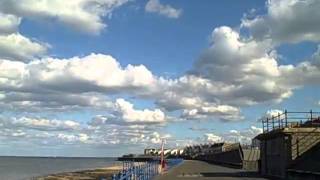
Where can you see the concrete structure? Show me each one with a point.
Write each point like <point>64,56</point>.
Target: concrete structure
<point>284,145</point>
<point>224,153</point>
<point>280,148</point>
<point>251,159</point>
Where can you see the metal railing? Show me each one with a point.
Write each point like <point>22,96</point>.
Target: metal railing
<point>290,119</point>
<point>143,170</point>
<point>137,170</point>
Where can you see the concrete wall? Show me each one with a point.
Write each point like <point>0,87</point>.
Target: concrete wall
<point>307,166</point>
<point>302,142</point>
<point>286,149</point>
<point>233,158</point>
<point>274,156</point>
<point>251,159</point>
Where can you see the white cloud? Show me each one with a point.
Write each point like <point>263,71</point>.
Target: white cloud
<point>19,48</point>
<point>58,102</point>
<point>155,6</point>
<point>75,81</point>
<point>82,15</point>
<point>287,21</point>
<point>73,138</point>
<point>129,114</point>
<point>212,138</point>
<point>271,113</point>
<point>95,72</point>
<point>245,71</point>
<point>243,136</point>
<point>124,114</point>
<point>48,132</point>
<point>40,124</point>
<point>9,23</point>
<point>223,112</point>
<point>13,45</point>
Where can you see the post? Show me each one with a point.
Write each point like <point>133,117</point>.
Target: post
<point>286,117</point>
<point>297,142</point>
<point>279,120</point>
<point>267,124</point>
<point>272,122</point>
<point>311,117</point>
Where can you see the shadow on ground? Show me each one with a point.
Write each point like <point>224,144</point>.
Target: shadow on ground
<point>231,174</point>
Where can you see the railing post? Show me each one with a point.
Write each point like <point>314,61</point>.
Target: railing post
<point>311,117</point>
<point>279,120</point>
<point>286,117</point>
<point>297,142</point>
<point>272,122</point>
<point>267,124</point>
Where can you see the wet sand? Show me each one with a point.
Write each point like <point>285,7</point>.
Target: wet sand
<point>190,169</point>
<point>95,174</point>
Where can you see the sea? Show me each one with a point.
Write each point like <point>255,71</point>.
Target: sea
<point>26,168</point>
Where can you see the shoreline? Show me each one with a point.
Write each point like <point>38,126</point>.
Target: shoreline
<point>94,173</point>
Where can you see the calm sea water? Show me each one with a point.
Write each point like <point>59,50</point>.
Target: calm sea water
<point>21,168</point>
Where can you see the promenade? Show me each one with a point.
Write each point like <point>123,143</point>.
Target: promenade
<point>191,169</point>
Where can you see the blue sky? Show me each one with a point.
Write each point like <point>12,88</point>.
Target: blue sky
<point>101,78</point>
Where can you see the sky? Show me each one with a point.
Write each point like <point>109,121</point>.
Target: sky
<point>109,77</point>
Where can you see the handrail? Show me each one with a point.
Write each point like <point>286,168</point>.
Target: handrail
<point>288,118</point>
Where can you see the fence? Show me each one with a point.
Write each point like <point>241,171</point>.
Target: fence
<point>142,170</point>
<point>290,119</point>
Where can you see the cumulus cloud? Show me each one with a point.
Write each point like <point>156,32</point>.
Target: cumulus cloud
<point>247,67</point>
<point>82,15</point>
<point>127,112</point>
<point>243,136</point>
<point>48,132</point>
<point>271,113</point>
<point>9,23</point>
<point>154,6</point>
<point>57,102</point>
<point>212,138</point>
<point>39,124</point>
<point>95,72</point>
<point>76,81</point>
<point>13,45</point>
<point>286,21</point>
<point>20,48</point>
<point>304,73</point>
<point>234,72</point>
<point>223,112</point>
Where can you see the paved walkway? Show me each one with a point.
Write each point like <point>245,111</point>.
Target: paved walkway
<point>202,170</point>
